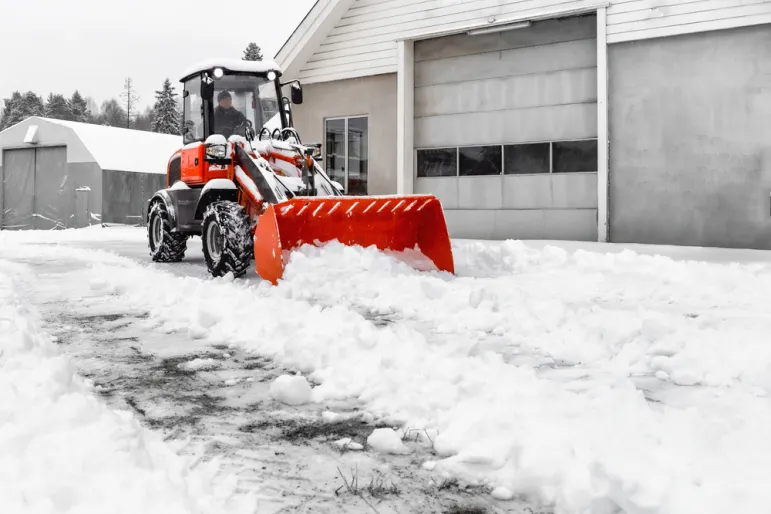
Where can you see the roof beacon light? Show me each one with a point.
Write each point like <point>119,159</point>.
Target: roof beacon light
<point>218,73</point>
<point>271,75</point>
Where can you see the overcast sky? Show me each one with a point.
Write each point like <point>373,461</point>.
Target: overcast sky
<point>92,45</point>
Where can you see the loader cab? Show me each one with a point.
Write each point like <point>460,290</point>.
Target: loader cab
<point>235,99</point>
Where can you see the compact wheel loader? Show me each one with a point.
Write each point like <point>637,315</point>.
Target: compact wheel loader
<point>260,195</point>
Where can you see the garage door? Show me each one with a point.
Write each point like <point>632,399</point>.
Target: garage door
<point>506,130</point>
<point>35,191</point>
<point>53,198</point>
<point>18,189</point>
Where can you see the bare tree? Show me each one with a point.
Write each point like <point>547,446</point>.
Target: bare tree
<point>130,100</point>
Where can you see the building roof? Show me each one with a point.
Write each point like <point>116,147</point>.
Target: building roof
<point>122,149</point>
<point>236,65</point>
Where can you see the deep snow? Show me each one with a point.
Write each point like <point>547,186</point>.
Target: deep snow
<point>594,379</point>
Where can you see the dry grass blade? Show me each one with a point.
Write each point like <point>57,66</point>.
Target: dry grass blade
<point>353,488</point>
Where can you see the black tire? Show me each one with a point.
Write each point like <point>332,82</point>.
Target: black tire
<point>165,245</point>
<point>227,241</point>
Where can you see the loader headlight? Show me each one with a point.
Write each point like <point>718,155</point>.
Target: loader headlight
<point>217,151</point>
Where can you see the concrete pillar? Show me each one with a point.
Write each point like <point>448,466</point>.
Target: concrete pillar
<point>405,117</point>
<point>603,230</point>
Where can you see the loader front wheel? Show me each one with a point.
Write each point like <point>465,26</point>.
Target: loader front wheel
<point>165,245</point>
<point>226,239</point>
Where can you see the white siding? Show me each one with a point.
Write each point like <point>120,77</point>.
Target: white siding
<point>642,19</point>
<point>363,41</point>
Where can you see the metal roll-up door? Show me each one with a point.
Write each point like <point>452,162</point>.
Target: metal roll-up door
<point>506,127</point>
<point>18,189</point>
<point>54,198</point>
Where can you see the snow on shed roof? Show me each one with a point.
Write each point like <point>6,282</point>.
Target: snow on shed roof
<point>120,149</point>
<point>237,65</point>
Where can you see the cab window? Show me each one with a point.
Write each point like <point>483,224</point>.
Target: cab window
<point>192,127</point>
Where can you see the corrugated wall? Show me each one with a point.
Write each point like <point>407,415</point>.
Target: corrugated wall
<point>125,195</point>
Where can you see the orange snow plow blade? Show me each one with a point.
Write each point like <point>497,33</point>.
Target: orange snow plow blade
<point>398,223</point>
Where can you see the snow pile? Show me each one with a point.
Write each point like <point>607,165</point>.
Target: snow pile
<point>595,382</point>
<point>62,450</point>
<point>347,443</point>
<point>291,390</point>
<point>387,440</point>
<point>198,364</point>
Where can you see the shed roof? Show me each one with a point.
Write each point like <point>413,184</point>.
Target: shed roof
<point>122,149</point>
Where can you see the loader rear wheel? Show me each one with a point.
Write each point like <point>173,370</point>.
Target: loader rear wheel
<point>226,239</point>
<point>165,245</point>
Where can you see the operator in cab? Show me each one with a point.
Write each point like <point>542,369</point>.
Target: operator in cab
<point>226,117</point>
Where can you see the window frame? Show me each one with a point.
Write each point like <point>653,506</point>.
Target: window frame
<point>503,146</point>
<point>346,137</point>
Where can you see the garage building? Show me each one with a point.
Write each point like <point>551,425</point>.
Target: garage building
<point>60,174</point>
<point>629,121</point>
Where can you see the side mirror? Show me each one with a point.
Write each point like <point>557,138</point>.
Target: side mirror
<point>297,93</point>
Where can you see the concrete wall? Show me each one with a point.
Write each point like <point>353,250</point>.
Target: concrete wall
<point>690,139</point>
<point>374,97</point>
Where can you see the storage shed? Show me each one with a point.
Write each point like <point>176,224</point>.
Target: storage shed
<point>58,174</point>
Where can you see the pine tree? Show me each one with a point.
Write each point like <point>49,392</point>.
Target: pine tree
<point>20,107</point>
<point>79,109</point>
<point>252,53</point>
<point>11,111</point>
<point>57,107</point>
<point>130,99</point>
<point>165,115</point>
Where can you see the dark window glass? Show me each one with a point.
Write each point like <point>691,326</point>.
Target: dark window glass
<point>480,160</point>
<point>357,156</point>
<point>192,126</point>
<point>335,151</point>
<point>575,156</point>
<point>438,162</point>
<point>524,159</point>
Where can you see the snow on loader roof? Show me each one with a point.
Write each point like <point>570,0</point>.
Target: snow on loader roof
<point>236,65</point>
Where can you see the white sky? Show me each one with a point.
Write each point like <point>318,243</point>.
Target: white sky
<point>92,45</point>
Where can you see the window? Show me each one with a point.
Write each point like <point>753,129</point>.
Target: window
<point>439,162</point>
<point>527,159</point>
<point>238,98</point>
<point>480,160</point>
<point>347,153</point>
<point>192,129</point>
<point>514,159</point>
<point>575,156</point>
<point>358,157</point>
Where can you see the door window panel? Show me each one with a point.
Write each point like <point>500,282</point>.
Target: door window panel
<point>575,156</point>
<point>347,153</point>
<point>357,156</point>
<point>438,162</point>
<point>335,151</point>
<point>527,159</point>
<point>480,160</point>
